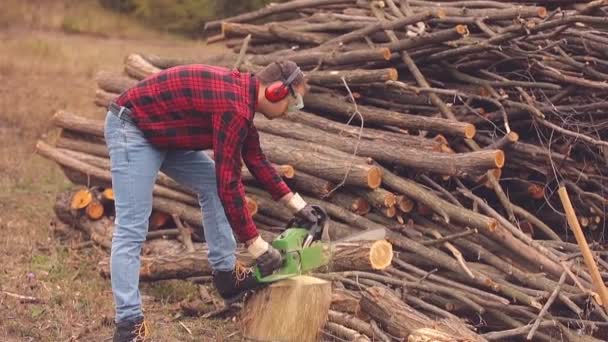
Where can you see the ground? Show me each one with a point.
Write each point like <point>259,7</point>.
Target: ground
<point>50,51</point>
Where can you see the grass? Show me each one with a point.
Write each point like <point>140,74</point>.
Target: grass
<point>51,51</point>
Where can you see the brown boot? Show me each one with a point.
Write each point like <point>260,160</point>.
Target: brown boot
<point>232,284</point>
<point>135,330</point>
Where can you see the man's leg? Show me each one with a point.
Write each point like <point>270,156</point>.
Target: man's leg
<point>134,165</point>
<point>194,169</point>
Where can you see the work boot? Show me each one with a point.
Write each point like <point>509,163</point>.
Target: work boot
<point>232,285</point>
<point>134,330</point>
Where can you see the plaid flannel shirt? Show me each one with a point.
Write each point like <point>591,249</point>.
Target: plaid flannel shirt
<point>198,107</point>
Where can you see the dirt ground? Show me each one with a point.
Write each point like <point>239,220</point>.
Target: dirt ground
<point>50,52</point>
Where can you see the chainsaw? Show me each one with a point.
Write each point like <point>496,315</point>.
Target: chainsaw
<point>305,246</point>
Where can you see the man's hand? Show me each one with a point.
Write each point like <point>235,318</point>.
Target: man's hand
<point>269,261</point>
<point>267,257</point>
<point>308,213</point>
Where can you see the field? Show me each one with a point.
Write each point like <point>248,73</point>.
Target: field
<point>50,52</point>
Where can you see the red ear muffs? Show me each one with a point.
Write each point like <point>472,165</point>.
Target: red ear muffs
<point>277,91</point>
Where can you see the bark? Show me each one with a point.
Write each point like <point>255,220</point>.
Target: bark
<point>442,163</point>
<point>139,68</point>
<point>270,10</point>
<point>334,78</point>
<point>354,131</point>
<point>162,62</point>
<point>280,150</point>
<point>334,58</point>
<point>114,83</point>
<point>78,123</point>
<point>432,38</point>
<point>104,98</point>
<point>310,185</point>
<point>401,320</point>
<point>356,204</point>
<point>326,103</point>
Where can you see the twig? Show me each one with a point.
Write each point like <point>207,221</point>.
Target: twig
<point>450,237</point>
<point>355,150</point>
<point>185,233</point>
<point>242,52</point>
<point>23,299</point>
<point>185,327</point>
<point>547,305</point>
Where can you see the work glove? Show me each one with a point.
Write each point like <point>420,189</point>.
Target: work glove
<point>266,257</point>
<point>308,213</point>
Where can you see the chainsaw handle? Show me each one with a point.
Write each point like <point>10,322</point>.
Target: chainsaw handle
<point>315,228</point>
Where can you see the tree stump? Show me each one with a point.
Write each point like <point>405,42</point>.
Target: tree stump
<point>294,309</point>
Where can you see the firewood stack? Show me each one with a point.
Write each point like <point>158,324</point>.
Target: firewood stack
<point>452,124</point>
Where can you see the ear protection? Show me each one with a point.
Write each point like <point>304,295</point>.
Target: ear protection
<point>277,91</point>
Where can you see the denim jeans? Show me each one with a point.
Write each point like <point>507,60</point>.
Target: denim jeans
<point>135,164</point>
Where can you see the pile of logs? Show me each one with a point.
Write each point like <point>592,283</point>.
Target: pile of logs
<point>452,124</point>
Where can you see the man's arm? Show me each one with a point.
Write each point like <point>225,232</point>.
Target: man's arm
<point>229,133</point>
<point>260,167</point>
<point>262,170</point>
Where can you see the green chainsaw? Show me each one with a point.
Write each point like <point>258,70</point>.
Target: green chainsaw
<point>304,246</point>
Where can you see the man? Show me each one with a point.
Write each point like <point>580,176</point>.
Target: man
<point>163,123</point>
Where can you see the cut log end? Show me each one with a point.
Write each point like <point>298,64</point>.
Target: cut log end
<point>405,204</point>
<point>94,210</point>
<point>360,206</point>
<point>469,131</point>
<point>386,53</point>
<point>390,200</point>
<point>393,74</point>
<point>287,171</point>
<point>499,159</point>
<point>108,194</point>
<point>381,255</point>
<point>390,212</point>
<point>374,177</point>
<point>441,13</point>
<point>512,136</point>
<point>463,30</point>
<point>295,309</point>
<point>542,12</point>
<point>81,199</point>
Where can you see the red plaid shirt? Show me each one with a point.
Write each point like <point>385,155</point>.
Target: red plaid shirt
<point>198,107</point>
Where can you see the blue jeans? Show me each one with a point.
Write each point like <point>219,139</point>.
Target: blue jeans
<point>135,164</point>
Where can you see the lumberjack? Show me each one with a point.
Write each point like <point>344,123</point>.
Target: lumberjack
<point>163,123</point>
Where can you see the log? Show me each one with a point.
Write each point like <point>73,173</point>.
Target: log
<point>104,98</point>
<point>401,320</point>
<point>294,309</point>
<point>307,58</point>
<point>442,163</point>
<point>272,9</point>
<point>331,104</point>
<point>281,150</point>
<point>139,68</point>
<point>67,120</point>
<point>428,335</point>
<point>310,185</point>
<point>364,256</point>
<point>114,83</point>
<point>356,204</point>
<point>331,126</point>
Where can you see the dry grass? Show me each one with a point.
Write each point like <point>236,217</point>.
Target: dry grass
<point>44,68</point>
